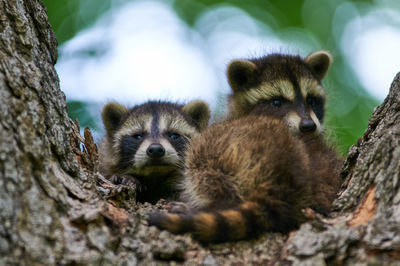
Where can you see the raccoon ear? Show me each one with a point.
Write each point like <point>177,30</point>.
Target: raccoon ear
<point>112,114</point>
<point>319,61</point>
<point>199,112</point>
<point>241,74</point>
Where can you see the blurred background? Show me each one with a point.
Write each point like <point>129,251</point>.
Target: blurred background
<point>132,51</point>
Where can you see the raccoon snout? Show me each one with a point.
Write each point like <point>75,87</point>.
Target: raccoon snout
<point>155,151</point>
<point>307,126</point>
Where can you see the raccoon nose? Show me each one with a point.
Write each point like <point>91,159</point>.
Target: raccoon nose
<point>155,151</point>
<point>307,126</point>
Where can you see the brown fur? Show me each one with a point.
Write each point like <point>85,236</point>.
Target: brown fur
<point>253,173</point>
<point>126,158</point>
<point>256,83</point>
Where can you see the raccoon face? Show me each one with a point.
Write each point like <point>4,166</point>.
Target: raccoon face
<point>150,139</point>
<point>282,86</point>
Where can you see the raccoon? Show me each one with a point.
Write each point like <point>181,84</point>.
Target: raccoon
<point>282,86</point>
<point>145,145</point>
<point>262,167</point>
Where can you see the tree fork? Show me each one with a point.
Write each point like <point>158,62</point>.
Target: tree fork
<point>55,208</point>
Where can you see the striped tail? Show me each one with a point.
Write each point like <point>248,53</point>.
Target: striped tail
<point>277,208</point>
<point>246,221</point>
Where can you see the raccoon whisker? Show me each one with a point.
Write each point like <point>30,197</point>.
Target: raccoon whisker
<point>135,138</point>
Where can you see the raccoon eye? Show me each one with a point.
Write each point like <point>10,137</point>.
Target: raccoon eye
<point>138,136</point>
<point>174,136</point>
<point>313,101</point>
<point>276,102</point>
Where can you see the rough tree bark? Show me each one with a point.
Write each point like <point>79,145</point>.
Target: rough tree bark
<point>366,227</point>
<point>55,209</point>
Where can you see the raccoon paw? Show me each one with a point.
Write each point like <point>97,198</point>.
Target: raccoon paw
<point>320,208</point>
<point>127,180</point>
<point>178,207</point>
<point>309,213</point>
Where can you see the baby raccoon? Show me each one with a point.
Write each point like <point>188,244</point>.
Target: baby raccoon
<point>282,86</point>
<point>262,167</point>
<point>146,144</point>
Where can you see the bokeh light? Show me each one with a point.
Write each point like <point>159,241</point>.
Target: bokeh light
<point>131,51</point>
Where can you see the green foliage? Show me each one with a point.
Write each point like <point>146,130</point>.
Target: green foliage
<point>69,17</point>
<point>319,22</point>
<point>84,112</point>
<point>350,106</point>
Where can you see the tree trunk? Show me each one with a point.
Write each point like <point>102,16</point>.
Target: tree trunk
<point>366,227</point>
<point>55,209</point>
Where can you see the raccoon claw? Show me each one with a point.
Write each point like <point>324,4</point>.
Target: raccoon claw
<point>127,180</point>
<point>120,180</point>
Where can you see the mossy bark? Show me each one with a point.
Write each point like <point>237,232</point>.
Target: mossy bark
<point>55,209</point>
